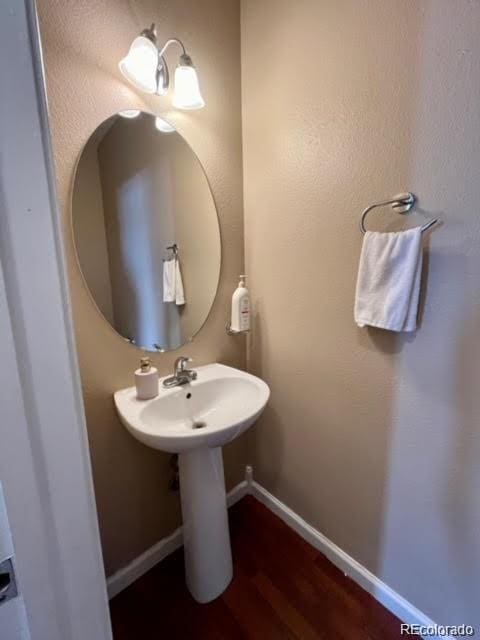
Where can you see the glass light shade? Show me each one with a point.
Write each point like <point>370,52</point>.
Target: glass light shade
<point>129,113</point>
<point>187,91</point>
<point>163,126</point>
<point>140,65</point>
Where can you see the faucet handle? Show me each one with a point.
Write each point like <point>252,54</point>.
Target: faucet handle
<point>181,362</point>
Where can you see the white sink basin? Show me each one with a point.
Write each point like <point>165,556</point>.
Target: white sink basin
<point>208,412</point>
<point>195,421</point>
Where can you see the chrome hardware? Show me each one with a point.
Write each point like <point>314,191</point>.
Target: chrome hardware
<point>174,249</point>
<point>180,363</point>
<point>402,203</point>
<point>181,375</point>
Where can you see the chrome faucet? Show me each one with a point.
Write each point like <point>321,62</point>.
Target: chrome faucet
<point>181,374</point>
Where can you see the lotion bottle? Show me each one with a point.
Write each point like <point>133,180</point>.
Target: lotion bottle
<point>240,307</point>
<point>146,380</point>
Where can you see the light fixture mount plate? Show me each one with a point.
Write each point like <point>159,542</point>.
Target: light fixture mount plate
<point>163,77</point>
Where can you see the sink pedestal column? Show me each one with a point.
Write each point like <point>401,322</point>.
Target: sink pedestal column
<point>208,556</point>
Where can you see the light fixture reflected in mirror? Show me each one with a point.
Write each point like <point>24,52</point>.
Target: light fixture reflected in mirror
<point>163,126</point>
<point>146,68</point>
<point>129,113</point>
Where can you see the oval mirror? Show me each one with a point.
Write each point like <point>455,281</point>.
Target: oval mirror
<point>146,231</point>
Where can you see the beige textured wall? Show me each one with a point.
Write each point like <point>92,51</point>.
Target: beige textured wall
<point>83,40</point>
<point>371,437</point>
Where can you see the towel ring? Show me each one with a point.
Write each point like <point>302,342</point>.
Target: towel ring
<point>402,203</point>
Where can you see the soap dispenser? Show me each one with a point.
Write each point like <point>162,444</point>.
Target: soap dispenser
<point>146,380</point>
<point>240,308</point>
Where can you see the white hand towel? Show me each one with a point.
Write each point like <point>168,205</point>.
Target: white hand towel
<point>169,269</point>
<point>172,282</point>
<point>179,295</point>
<point>388,283</point>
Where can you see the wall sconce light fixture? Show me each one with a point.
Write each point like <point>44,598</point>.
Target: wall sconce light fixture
<point>146,68</point>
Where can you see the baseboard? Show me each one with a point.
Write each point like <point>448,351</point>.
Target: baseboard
<point>389,598</point>
<point>237,493</point>
<point>125,576</point>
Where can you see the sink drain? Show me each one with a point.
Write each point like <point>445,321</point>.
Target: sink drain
<point>199,424</point>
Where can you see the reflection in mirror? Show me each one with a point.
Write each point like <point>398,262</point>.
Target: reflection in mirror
<point>146,231</point>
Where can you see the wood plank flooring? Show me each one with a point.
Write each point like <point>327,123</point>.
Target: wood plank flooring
<point>282,589</point>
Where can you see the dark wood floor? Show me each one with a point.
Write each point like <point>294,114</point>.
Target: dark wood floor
<point>282,588</point>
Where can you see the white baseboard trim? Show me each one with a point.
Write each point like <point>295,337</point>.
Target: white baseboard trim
<point>237,493</point>
<point>389,598</point>
<point>125,576</point>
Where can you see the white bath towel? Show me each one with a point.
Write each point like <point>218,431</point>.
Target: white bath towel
<point>172,282</point>
<point>388,283</point>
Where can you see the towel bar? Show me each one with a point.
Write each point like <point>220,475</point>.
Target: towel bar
<point>402,203</point>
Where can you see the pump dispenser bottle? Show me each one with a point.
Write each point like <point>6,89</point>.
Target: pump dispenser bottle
<point>146,380</point>
<point>240,308</point>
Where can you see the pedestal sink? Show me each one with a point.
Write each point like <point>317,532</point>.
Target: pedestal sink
<point>195,420</point>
